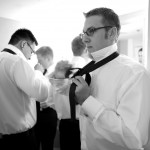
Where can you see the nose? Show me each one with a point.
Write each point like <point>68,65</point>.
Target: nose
<point>85,39</point>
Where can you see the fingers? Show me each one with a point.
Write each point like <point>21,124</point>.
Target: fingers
<point>78,80</point>
<point>39,67</point>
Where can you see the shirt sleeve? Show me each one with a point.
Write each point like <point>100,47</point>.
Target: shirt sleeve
<point>49,101</point>
<point>128,124</point>
<point>30,81</point>
<point>61,99</point>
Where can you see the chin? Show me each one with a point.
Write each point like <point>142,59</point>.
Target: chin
<point>90,50</point>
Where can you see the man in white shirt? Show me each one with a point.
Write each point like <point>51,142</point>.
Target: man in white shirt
<point>80,54</point>
<point>18,83</point>
<point>45,128</point>
<point>116,105</point>
<point>69,131</point>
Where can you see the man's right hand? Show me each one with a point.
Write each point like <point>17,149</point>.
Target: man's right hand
<point>82,91</point>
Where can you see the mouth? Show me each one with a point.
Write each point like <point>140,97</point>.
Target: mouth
<point>89,47</point>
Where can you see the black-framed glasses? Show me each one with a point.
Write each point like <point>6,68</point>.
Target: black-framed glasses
<point>31,48</point>
<point>90,31</point>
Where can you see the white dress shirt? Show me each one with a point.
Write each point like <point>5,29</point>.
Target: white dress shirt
<point>118,109</point>
<point>49,102</point>
<point>78,62</point>
<point>19,82</point>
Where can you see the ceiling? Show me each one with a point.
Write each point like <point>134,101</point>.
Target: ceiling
<point>130,11</point>
<point>10,7</point>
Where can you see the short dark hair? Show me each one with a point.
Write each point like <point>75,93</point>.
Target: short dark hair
<point>110,18</point>
<point>45,51</point>
<point>22,34</point>
<point>78,46</point>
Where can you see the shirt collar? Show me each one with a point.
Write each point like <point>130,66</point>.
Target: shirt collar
<point>102,53</point>
<point>16,50</point>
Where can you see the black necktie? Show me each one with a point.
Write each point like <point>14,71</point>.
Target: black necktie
<point>9,51</point>
<point>86,70</point>
<point>45,71</point>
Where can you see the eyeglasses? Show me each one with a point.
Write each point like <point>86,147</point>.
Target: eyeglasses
<point>31,48</point>
<point>90,31</point>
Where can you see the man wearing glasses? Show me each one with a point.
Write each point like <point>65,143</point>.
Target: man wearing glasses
<point>116,104</point>
<point>27,49</point>
<point>32,51</point>
<point>18,83</point>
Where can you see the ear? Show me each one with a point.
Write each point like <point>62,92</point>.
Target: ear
<point>22,43</point>
<point>50,58</point>
<point>112,33</point>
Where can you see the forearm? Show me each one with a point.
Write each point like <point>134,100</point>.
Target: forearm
<point>114,126</point>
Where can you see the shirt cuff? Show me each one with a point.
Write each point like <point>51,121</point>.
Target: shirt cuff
<point>92,107</point>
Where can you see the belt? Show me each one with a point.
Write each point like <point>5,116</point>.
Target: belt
<point>42,109</point>
<point>26,133</point>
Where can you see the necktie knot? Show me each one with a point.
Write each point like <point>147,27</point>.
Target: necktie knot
<point>45,71</point>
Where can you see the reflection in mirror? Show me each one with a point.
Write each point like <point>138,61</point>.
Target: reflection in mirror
<point>131,36</point>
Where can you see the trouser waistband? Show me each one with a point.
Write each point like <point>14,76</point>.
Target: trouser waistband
<point>25,133</point>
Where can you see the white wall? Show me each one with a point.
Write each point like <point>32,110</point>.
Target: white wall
<point>7,27</point>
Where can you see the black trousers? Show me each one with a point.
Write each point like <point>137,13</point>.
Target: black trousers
<point>45,128</point>
<point>69,134</point>
<point>19,141</point>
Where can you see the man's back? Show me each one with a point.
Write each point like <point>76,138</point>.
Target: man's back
<point>13,97</point>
